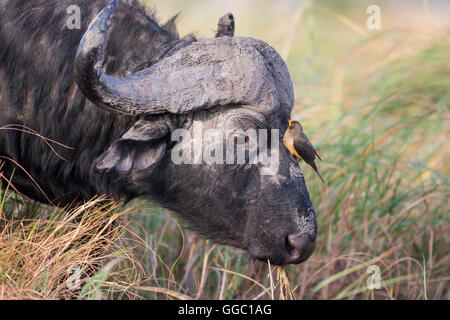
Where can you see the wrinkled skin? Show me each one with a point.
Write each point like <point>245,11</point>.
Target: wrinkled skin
<point>240,206</point>
<point>129,155</point>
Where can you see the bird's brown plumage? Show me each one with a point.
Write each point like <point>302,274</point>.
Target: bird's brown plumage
<point>300,146</point>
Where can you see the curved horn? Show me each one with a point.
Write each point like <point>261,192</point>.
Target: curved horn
<point>207,73</point>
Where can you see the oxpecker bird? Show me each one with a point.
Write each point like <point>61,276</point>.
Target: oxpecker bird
<point>300,146</point>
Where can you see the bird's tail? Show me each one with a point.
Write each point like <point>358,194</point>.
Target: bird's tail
<point>318,173</point>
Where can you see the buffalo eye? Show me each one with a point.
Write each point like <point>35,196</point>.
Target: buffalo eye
<point>237,139</point>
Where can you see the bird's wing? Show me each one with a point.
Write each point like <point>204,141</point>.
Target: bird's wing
<point>317,154</point>
<point>308,154</point>
<point>304,149</point>
<point>312,147</point>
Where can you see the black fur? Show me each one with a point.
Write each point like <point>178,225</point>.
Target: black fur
<point>38,91</point>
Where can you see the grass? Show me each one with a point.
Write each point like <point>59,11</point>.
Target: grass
<point>375,104</point>
<point>64,254</point>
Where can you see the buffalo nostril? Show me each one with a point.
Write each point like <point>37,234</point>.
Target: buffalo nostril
<point>301,247</point>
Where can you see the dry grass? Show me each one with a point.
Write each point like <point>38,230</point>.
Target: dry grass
<point>65,254</point>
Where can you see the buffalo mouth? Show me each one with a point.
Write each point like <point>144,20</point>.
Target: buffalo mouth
<point>297,249</point>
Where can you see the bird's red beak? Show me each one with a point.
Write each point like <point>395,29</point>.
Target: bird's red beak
<point>290,123</point>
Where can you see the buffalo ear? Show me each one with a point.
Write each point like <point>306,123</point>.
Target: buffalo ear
<point>142,146</point>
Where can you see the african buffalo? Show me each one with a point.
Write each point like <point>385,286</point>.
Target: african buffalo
<point>93,110</point>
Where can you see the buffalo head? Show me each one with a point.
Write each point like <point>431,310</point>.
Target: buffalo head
<point>217,91</point>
